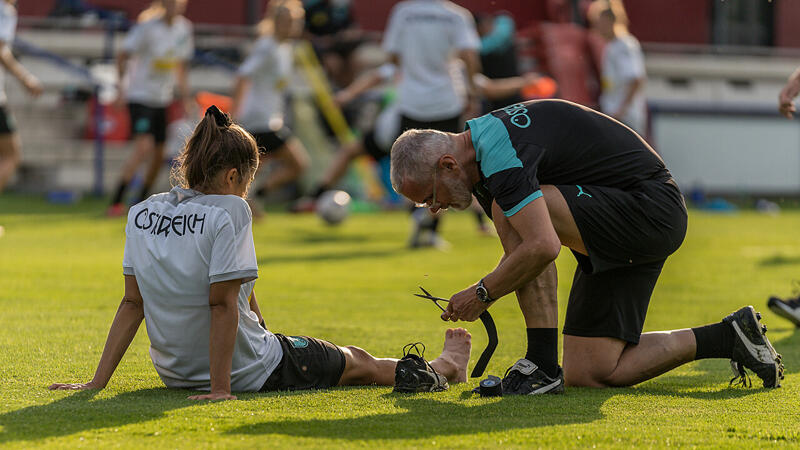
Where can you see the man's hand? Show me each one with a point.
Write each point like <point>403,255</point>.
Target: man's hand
<point>464,305</point>
<point>33,86</point>
<point>786,101</point>
<point>787,96</point>
<point>75,386</point>
<point>214,396</point>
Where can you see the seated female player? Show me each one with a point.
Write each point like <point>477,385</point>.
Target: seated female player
<point>190,266</point>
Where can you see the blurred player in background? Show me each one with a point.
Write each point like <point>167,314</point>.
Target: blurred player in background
<point>260,90</point>
<point>498,53</point>
<point>377,142</point>
<point>158,48</point>
<point>9,139</point>
<point>788,308</point>
<point>190,268</point>
<point>421,38</point>
<point>623,73</point>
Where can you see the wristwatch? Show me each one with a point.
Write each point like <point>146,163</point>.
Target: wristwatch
<point>483,294</point>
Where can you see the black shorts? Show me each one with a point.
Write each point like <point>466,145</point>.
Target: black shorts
<point>7,124</point>
<point>271,141</point>
<point>373,149</point>
<point>307,363</point>
<point>148,120</point>
<point>628,235</point>
<point>450,125</point>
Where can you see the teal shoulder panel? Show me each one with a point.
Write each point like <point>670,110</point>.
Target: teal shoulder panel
<point>493,149</point>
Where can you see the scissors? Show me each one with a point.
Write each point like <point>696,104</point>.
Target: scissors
<point>488,323</point>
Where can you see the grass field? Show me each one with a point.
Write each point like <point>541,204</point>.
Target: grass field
<point>61,282</point>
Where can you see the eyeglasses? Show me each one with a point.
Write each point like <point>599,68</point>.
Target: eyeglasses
<point>433,196</point>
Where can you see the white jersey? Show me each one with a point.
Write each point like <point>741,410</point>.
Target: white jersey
<point>269,68</point>
<point>178,243</point>
<point>623,63</point>
<point>425,34</point>
<point>157,48</point>
<point>8,25</point>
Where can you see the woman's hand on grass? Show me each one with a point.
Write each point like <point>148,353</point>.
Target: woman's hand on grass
<point>214,396</point>
<point>75,386</point>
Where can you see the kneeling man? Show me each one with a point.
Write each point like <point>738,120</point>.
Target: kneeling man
<point>552,173</point>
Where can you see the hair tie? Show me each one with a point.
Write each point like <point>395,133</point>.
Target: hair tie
<point>222,119</point>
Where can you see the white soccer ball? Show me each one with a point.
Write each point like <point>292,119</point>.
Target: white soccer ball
<point>333,206</point>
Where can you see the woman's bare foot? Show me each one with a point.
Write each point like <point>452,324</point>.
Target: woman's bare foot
<point>452,363</point>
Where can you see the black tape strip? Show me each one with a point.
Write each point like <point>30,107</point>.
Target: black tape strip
<point>491,331</point>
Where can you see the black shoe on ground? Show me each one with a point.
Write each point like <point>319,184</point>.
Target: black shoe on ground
<point>525,378</point>
<point>789,309</point>
<point>753,350</point>
<point>414,374</point>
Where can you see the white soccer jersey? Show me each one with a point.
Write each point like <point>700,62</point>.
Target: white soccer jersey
<point>425,34</point>
<point>623,62</point>
<point>8,25</point>
<point>178,243</point>
<point>269,68</point>
<point>157,49</point>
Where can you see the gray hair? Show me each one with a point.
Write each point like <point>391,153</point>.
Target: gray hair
<point>415,154</point>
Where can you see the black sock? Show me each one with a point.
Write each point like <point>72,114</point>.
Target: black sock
<point>714,341</point>
<point>117,198</point>
<point>543,349</point>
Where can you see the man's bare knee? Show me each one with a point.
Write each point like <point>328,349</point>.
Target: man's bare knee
<point>360,368</point>
<point>577,378</point>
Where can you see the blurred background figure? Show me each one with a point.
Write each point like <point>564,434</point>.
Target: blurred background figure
<point>422,37</point>
<point>788,94</point>
<point>498,53</point>
<point>623,73</point>
<point>259,100</point>
<point>158,48</point>
<point>9,139</point>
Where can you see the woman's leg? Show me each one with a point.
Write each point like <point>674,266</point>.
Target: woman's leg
<point>143,145</point>
<point>361,368</point>
<point>294,161</point>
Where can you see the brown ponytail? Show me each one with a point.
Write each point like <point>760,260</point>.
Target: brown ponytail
<point>216,145</point>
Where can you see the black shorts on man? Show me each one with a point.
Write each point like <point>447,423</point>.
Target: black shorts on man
<point>629,211</point>
<point>148,120</point>
<point>307,363</point>
<point>7,124</point>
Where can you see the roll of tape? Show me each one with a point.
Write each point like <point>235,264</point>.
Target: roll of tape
<point>491,387</point>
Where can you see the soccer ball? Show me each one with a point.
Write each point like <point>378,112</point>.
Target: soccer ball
<point>333,206</point>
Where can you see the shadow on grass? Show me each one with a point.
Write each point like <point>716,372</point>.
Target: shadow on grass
<point>418,416</point>
<point>328,235</point>
<point>779,260</point>
<point>426,417</point>
<point>79,412</point>
<point>329,256</point>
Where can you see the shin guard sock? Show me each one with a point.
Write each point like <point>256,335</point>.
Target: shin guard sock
<point>714,341</point>
<point>543,349</point>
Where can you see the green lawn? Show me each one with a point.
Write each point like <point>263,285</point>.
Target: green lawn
<point>61,281</point>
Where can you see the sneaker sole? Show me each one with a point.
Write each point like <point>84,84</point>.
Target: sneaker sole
<point>776,357</point>
<point>552,388</point>
<point>779,308</point>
